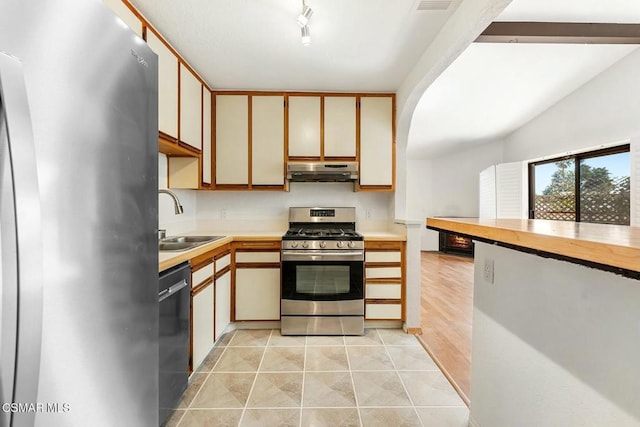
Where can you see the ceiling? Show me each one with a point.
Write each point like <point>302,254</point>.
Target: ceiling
<point>356,45</point>
<point>490,90</point>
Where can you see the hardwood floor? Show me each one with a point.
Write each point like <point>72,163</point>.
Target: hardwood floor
<point>446,309</point>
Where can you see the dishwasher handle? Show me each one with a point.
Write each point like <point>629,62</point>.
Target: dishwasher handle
<point>172,290</point>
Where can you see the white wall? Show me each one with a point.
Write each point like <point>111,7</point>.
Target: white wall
<point>605,110</point>
<point>256,210</point>
<point>419,184</point>
<point>455,180</point>
<point>167,219</point>
<point>449,185</point>
<point>468,20</point>
<point>554,344</point>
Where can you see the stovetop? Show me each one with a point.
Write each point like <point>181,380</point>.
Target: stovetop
<point>314,233</point>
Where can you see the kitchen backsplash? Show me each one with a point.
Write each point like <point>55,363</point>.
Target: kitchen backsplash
<point>267,210</point>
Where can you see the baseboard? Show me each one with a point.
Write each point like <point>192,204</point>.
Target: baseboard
<point>275,324</point>
<point>412,331</point>
<point>256,324</point>
<point>383,324</point>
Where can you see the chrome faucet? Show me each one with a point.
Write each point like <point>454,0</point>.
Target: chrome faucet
<point>176,201</point>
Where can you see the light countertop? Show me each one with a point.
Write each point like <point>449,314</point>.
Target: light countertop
<point>382,236</point>
<point>170,259</point>
<point>610,245</point>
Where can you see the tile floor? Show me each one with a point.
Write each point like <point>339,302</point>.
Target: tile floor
<point>260,378</point>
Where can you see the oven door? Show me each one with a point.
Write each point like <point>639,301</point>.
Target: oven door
<point>322,276</point>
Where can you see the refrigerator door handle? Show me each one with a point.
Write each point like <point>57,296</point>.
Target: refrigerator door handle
<point>21,233</point>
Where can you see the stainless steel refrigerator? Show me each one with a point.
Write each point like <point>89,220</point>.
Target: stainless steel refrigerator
<point>79,260</point>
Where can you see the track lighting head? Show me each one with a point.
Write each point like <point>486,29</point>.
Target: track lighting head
<point>306,36</point>
<point>305,15</point>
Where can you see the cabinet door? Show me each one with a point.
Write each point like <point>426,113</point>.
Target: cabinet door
<point>223,303</point>
<point>232,139</point>
<point>124,13</point>
<point>167,86</point>
<point>340,126</point>
<point>202,337</point>
<point>206,136</point>
<point>258,294</point>
<point>304,126</point>
<point>190,109</point>
<point>376,141</point>
<point>267,140</point>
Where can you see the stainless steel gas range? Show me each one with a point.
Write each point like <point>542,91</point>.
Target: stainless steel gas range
<point>322,273</point>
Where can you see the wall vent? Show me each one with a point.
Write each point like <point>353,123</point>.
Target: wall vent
<point>433,4</point>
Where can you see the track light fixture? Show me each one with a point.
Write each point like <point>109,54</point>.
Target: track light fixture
<point>306,37</point>
<point>303,21</point>
<point>305,15</point>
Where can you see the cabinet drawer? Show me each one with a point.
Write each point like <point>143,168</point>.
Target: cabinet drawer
<point>199,276</point>
<point>223,262</point>
<point>383,257</point>
<point>383,311</point>
<point>384,291</point>
<point>383,273</point>
<point>257,257</point>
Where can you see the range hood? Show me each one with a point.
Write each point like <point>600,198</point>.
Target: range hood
<point>334,171</point>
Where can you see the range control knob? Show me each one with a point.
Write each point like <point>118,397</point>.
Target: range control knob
<point>352,244</point>
<point>323,245</point>
<point>340,244</point>
<point>305,245</point>
<point>294,244</point>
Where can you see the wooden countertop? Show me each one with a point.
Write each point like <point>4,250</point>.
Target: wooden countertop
<point>609,245</point>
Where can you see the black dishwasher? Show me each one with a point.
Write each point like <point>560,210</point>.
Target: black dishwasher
<point>174,301</point>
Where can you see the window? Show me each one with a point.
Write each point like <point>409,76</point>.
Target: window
<point>587,187</point>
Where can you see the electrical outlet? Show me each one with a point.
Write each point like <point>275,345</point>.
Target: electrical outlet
<point>223,214</point>
<point>367,213</point>
<point>488,270</point>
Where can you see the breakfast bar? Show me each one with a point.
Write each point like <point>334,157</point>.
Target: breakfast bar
<point>603,246</point>
<point>556,317</point>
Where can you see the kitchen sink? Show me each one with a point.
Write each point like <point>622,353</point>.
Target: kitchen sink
<point>182,243</point>
<point>191,239</point>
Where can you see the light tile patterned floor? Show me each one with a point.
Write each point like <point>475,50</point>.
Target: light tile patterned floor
<point>260,378</point>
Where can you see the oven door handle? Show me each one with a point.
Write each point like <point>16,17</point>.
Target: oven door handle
<point>324,256</point>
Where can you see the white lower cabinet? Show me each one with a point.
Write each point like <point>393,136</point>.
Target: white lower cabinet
<point>384,280</point>
<point>258,294</point>
<point>384,311</point>
<point>202,319</point>
<point>223,303</point>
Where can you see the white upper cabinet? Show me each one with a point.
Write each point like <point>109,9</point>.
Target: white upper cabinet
<point>340,126</point>
<point>206,136</point>
<point>167,85</point>
<point>127,16</point>
<point>190,108</point>
<point>267,140</point>
<point>304,126</point>
<point>376,141</point>
<point>232,136</point>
